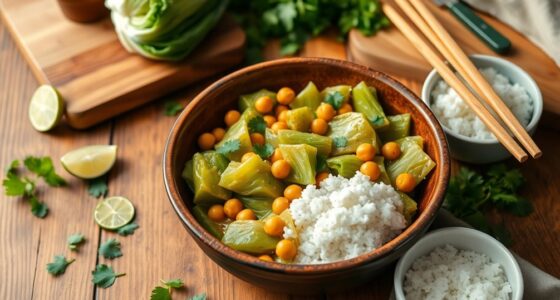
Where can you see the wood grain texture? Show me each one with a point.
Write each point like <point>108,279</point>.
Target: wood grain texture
<point>96,76</point>
<point>389,51</point>
<point>160,248</point>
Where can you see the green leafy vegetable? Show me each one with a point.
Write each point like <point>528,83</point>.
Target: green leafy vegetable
<point>127,229</point>
<point>110,249</point>
<point>59,265</point>
<point>470,194</point>
<point>38,208</point>
<point>340,141</point>
<point>164,293</point>
<point>257,124</point>
<point>97,187</point>
<point>335,98</point>
<point>264,151</point>
<point>173,283</point>
<point>229,147</point>
<point>172,108</point>
<point>43,167</point>
<point>104,276</point>
<point>75,240</point>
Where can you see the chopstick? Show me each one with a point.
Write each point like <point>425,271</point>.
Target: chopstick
<point>449,76</point>
<point>443,41</point>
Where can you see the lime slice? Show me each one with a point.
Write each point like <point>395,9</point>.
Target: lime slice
<point>45,108</point>
<point>113,212</point>
<point>90,161</point>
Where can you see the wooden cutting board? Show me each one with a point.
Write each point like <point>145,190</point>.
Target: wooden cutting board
<point>96,76</point>
<point>389,51</point>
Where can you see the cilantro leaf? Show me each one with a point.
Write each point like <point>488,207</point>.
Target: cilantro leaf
<point>264,151</point>
<point>127,229</point>
<point>174,283</point>
<point>38,208</point>
<point>43,167</point>
<point>257,124</point>
<point>199,297</point>
<point>335,98</point>
<point>104,276</point>
<point>229,147</point>
<point>321,164</point>
<point>75,240</point>
<point>172,108</point>
<point>97,187</point>
<point>340,141</point>
<point>14,186</point>
<point>59,265</point>
<point>110,249</point>
<point>160,293</point>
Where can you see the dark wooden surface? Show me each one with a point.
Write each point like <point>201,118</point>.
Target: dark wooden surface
<point>161,248</point>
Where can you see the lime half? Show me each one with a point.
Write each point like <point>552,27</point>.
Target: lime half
<point>90,161</point>
<point>113,212</point>
<point>45,108</point>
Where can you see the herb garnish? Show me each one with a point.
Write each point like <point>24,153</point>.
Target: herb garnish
<point>172,108</point>
<point>164,292</point>
<point>335,98</point>
<point>264,151</point>
<point>127,229</point>
<point>229,147</point>
<point>44,168</point>
<point>104,276</point>
<point>340,141</point>
<point>110,249</point>
<point>257,124</point>
<point>75,240</point>
<point>59,265</point>
<point>97,187</point>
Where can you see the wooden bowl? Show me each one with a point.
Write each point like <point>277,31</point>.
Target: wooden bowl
<point>206,111</point>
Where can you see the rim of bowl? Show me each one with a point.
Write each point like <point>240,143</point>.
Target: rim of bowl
<point>421,222</point>
<point>433,76</point>
<point>467,232</point>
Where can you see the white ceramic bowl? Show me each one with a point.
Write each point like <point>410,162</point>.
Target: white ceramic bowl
<point>477,151</point>
<point>466,239</point>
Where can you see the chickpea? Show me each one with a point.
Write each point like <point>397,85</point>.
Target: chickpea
<point>279,109</point>
<point>320,177</point>
<point>285,95</point>
<point>266,258</point>
<point>365,152</point>
<point>274,226</point>
<point>246,214</point>
<point>281,169</point>
<point>206,141</point>
<point>232,207</point>
<point>319,126</point>
<point>264,104</point>
<point>391,150</point>
<point>279,125</point>
<point>247,156</point>
<point>405,182</point>
<point>232,117</point>
<point>326,112</point>
<point>257,138</point>
<point>276,155</point>
<point>345,108</point>
<point>283,116</point>
<point>216,213</point>
<point>219,133</point>
<point>292,191</point>
<point>280,204</point>
<point>269,120</point>
<point>286,249</point>
<point>370,169</point>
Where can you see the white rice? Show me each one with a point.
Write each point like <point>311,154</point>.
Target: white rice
<point>457,116</point>
<point>344,218</point>
<point>449,273</point>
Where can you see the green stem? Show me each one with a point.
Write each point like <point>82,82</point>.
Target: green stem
<point>121,274</point>
<point>71,261</point>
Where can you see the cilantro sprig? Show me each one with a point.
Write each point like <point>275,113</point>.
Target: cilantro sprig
<point>264,151</point>
<point>164,292</point>
<point>127,229</point>
<point>75,240</point>
<point>110,249</point>
<point>340,141</point>
<point>58,265</point>
<point>229,147</point>
<point>470,194</point>
<point>104,276</point>
<point>257,124</point>
<point>335,98</point>
<point>97,187</point>
<point>172,108</point>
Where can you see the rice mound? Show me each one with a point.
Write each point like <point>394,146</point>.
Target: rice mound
<point>449,273</point>
<point>344,218</point>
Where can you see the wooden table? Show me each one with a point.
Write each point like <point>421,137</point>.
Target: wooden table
<point>161,248</point>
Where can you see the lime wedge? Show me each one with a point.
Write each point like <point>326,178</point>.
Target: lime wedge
<point>45,108</point>
<point>90,161</point>
<point>113,212</point>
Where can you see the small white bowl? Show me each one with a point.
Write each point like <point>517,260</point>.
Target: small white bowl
<point>477,151</point>
<point>465,239</point>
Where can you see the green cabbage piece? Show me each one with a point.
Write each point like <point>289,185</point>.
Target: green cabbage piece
<point>248,100</point>
<point>251,178</point>
<point>300,119</point>
<point>409,207</point>
<point>216,159</point>
<point>384,177</point>
<point>249,236</point>
<point>248,114</point>
<point>303,160</point>
<point>365,101</point>
<point>308,97</point>
<point>271,137</point>
<point>413,160</point>
<point>201,215</point>
<point>293,137</point>
<point>261,206</point>
<point>399,127</point>
<point>206,178</point>
<point>237,133</point>
<point>354,128</point>
<point>345,165</point>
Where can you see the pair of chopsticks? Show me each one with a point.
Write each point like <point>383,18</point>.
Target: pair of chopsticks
<point>442,40</point>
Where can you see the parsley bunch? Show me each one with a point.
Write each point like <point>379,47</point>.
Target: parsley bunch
<point>470,194</point>
<point>295,21</point>
<point>18,185</point>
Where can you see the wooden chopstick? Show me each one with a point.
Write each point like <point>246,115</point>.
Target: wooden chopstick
<point>449,76</point>
<point>443,41</point>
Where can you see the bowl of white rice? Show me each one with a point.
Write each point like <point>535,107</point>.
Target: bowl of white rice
<point>469,139</point>
<point>458,263</point>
